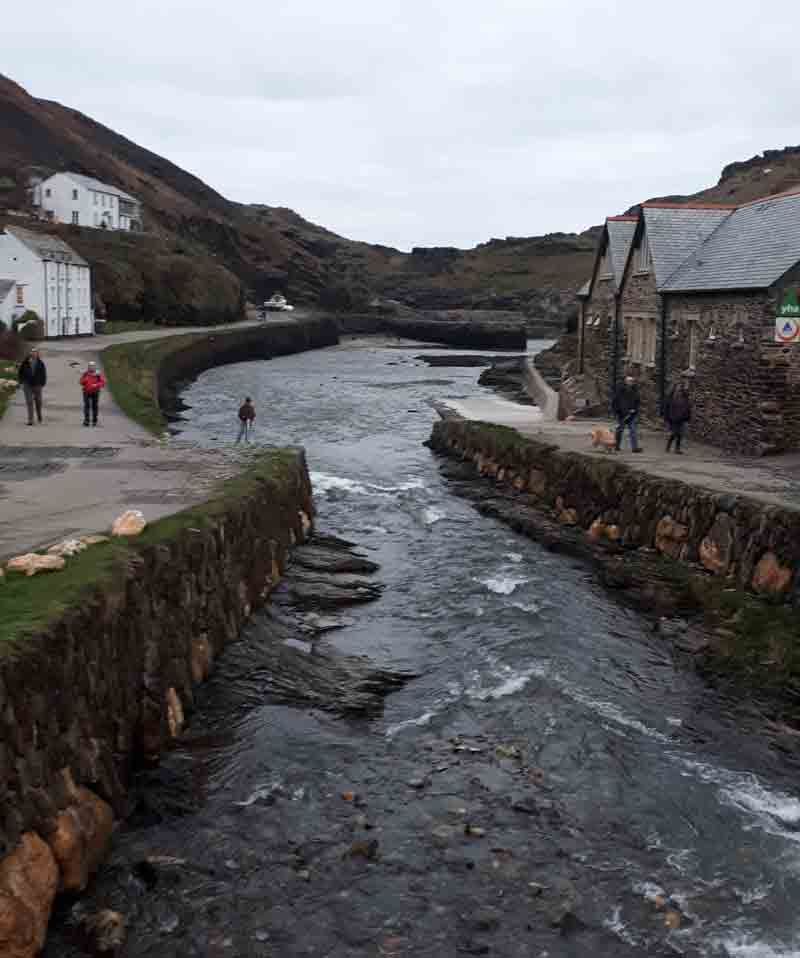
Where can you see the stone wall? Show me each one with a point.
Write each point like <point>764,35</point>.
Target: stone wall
<point>110,682</point>
<point>599,319</point>
<point>750,545</point>
<point>275,338</point>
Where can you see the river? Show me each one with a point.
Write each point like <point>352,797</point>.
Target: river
<point>551,782</point>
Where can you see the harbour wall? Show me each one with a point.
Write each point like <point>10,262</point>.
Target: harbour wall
<point>109,683</point>
<point>735,540</point>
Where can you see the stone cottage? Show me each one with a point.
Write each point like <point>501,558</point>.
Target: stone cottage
<point>709,292</point>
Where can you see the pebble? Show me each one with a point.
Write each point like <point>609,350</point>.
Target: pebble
<point>416,783</point>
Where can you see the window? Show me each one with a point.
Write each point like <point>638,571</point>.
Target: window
<point>605,267</point>
<point>96,217</point>
<point>75,217</point>
<point>48,192</point>
<point>74,194</point>
<point>643,255</point>
<point>641,340</point>
<point>20,295</point>
<point>96,199</point>
<point>103,200</point>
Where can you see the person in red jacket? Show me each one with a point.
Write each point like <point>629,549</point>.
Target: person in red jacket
<point>92,382</point>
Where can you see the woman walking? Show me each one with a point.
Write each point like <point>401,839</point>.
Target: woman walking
<point>677,412</point>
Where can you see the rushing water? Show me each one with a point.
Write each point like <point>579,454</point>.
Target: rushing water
<point>550,758</point>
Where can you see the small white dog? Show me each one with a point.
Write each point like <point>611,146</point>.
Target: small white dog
<point>603,439</point>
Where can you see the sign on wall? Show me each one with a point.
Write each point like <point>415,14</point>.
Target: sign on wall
<point>787,322</point>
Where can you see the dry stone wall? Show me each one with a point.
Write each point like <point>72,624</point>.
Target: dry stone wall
<point>110,683</point>
<point>752,545</point>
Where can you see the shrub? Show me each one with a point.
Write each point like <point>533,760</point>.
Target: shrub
<point>12,346</point>
<point>29,326</point>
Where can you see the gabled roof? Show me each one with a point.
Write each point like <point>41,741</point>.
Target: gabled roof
<point>6,285</point>
<point>92,184</point>
<point>45,246</point>
<point>674,232</point>
<point>751,249</point>
<point>620,236</point>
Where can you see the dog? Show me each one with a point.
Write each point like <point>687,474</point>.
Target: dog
<point>603,439</point>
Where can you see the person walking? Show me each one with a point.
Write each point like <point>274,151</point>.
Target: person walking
<point>677,413</point>
<point>32,377</point>
<point>92,381</point>
<point>247,418</point>
<point>625,407</point>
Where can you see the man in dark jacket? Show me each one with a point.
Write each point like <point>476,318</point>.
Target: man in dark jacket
<point>677,412</point>
<point>32,376</point>
<point>626,408</point>
<point>247,419</point>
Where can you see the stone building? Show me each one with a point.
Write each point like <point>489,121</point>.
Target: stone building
<point>708,292</point>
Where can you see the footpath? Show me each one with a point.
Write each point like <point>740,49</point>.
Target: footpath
<point>59,478</point>
<point>773,480</point>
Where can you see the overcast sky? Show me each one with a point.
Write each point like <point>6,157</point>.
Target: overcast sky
<point>427,122</point>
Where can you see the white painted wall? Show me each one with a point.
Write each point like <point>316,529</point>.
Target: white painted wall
<point>64,199</point>
<point>59,292</point>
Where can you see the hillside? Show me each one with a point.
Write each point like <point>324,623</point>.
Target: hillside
<point>194,234</point>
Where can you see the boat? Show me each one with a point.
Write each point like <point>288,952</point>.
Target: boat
<point>276,304</point>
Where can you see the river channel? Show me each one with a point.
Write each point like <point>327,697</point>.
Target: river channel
<point>549,781</point>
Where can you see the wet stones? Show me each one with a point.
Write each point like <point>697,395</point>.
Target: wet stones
<point>670,537</point>
<point>716,548</point>
<point>28,884</point>
<point>770,576</point>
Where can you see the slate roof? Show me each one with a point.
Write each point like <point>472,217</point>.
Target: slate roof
<point>6,285</point>
<point>750,249</point>
<point>620,235</point>
<point>92,184</point>
<point>674,232</point>
<point>45,246</point>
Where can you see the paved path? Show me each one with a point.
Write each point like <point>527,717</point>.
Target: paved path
<point>59,478</point>
<point>775,479</point>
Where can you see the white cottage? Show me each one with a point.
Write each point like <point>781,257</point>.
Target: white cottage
<point>41,273</point>
<point>84,201</point>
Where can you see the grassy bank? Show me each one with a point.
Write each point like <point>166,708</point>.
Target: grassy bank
<point>131,371</point>
<point>31,603</point>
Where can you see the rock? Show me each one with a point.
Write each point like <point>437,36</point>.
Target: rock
<point>28,883</point>
<point>487,919</point>
<point>670,537</point>
<point>31,563</point>
<point>568,516</point>
<point>175,717</point>
<point>770,577</point>
<point>92,540</point>
<point>104,931</point>
<point>201,658</point>
<point>68,547</point>
<point>364,848</point>
<point>596,530</point>
<point>130,523</point>
<point>716,549</point>
<point>80,837</point>
<point>417,782</point>
<point>321,559</point>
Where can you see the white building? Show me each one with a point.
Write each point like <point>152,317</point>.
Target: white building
<point>79,199</point>
<point>48,277</point>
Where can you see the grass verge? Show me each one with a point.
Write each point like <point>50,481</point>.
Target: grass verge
<point>120,326</point>
<point>30,604</point>
<point>130,370</point>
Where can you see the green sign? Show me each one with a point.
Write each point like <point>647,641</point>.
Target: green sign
<point>790,304</point>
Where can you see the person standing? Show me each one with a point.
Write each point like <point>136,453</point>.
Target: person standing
<point>32,376</point>
<point>677,412</point>
<point>247,418</point>
<point>92,382</point>
<point>625,407</point>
